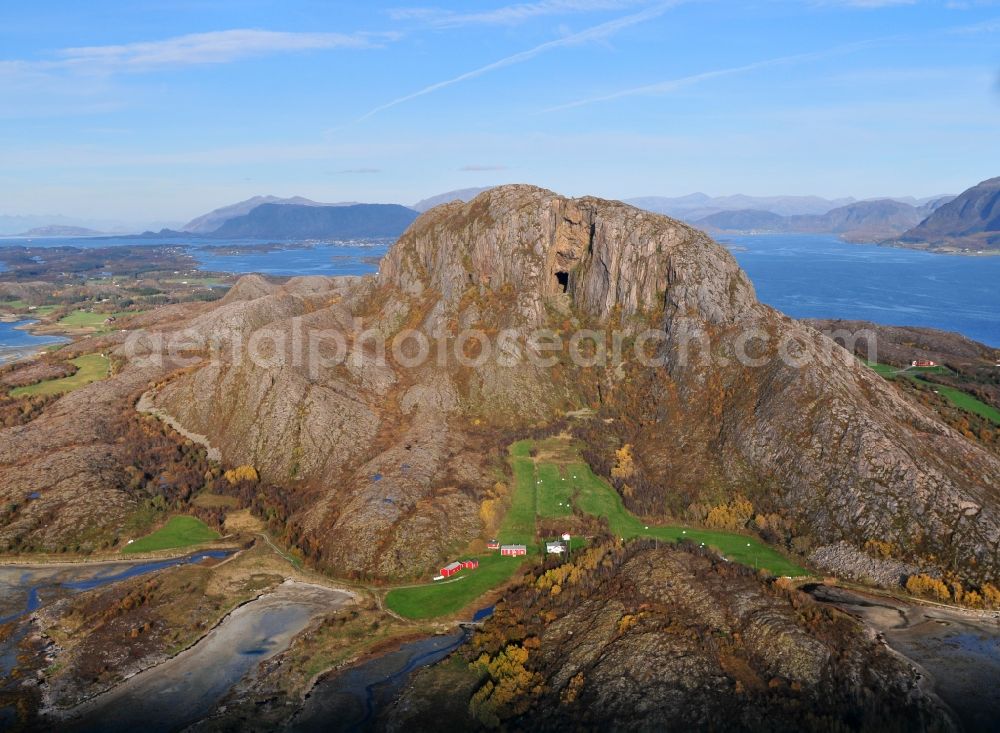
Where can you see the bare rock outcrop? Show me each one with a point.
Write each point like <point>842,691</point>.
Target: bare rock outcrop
<point>659,639</point>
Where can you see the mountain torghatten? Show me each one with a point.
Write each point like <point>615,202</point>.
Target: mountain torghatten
<point>384,467</point>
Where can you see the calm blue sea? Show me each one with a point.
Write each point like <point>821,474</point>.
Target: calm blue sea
<point>13,339</point>
<point>320,259</point>
<point>806,276</point>
<point>819,276</point>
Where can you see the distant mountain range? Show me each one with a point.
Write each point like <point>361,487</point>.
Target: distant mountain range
<point>60,230</point>
<point>208,223</point>
<point>699,205</point>
<point>462,194</point>
<point>862,221</point>
<point>317,221</point>
<point>971,221</point>
<point>16,225</point>
<point>271,217</point>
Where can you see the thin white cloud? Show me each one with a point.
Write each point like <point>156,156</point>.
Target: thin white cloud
<point>217,47</point>
<point>869,4</point>
<point>508,14</point>
<point>987,26</point>
<point>672,85</point>
<point>594,33</point>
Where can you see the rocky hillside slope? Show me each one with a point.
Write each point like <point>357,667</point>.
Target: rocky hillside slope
<point>386,462</point>
<point>646,638</point>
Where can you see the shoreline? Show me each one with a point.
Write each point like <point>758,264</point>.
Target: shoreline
<point>720,235</point>
<point>34,328</point>
<point>93,702</point>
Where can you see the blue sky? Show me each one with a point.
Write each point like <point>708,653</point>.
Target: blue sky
<point>163,109</point>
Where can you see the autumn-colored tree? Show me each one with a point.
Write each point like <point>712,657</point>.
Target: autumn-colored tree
<point>972,598</point>
<point>991,594</point>
<point>624,467</point>
<point>880,548</point>
<point>509,682</point>
<point>241,473</point>
<point>731,516</point>
<point>572,689</point>
<point>626,622</point>
<point>924,585</point>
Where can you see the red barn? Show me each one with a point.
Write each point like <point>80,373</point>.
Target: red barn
<point>470,564</point>
<point>450,569</point>
<point>923,363</point>
<point>495,544</point>
<point>513,550</point>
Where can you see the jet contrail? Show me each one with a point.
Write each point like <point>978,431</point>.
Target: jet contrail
<point>674,84</point>
<point>596,32</point>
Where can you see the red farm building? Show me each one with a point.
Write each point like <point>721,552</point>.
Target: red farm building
<point>513,550</point>
<point>923,363</point>
<point>470,564</point>
<point>450,569</point>
<point>493,545</point>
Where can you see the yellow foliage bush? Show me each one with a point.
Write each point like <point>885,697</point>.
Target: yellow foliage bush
<point>991,594</point>
<point>880,548</point>
<point>556,577</point>
<point>972,598</point>
<point>624,463</point>
<point>241,473</point>
<point>731,516</point>
<point>490,514</point>
<point>572,689</point>
<point>626,622</point>
<point>509,682</point>
<point>925,585</point>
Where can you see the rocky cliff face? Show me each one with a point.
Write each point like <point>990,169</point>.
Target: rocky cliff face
<point>390,456</point>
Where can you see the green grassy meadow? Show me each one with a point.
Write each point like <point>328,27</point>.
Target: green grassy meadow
<point>967,402</point>
<point>90,319</point>
<point>179,531</point>
<point>958,398</point>
<point>90,368</point>
<point>553,487</point>
<point>883,370</point>
<point>443,598</point>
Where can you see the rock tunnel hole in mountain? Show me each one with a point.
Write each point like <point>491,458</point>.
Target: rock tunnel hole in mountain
<point>562,281</point>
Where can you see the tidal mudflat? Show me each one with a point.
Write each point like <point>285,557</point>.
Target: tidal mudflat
<point>186,687</point>
<point>958,650</point>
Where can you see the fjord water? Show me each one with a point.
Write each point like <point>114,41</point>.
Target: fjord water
<point>819,276</point>
<point>318,259</point>
<point>803,275</point>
